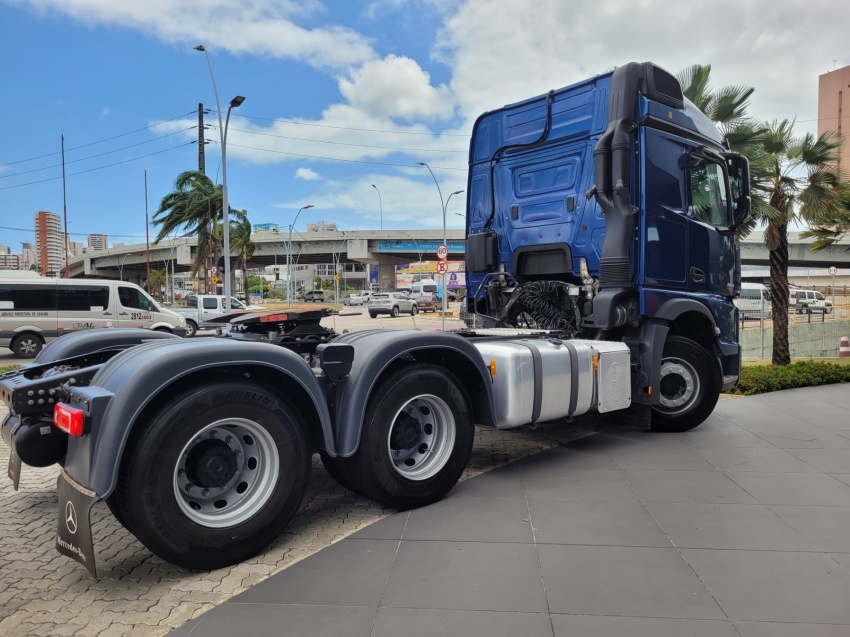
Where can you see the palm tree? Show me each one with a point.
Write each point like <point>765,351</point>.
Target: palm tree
<point>240,241</point>
<point>194,208</point>
<point>793,179</point>
<point>156,281</point>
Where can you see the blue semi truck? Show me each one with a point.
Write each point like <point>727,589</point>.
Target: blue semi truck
<point>601,266</point>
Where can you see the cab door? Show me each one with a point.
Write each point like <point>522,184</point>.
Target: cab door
<point>83,307</point>
<point>135,309</point>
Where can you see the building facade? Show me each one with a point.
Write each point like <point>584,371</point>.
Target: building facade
<point>98,242</point>
<point>50,243</point>
<point>833,92</point>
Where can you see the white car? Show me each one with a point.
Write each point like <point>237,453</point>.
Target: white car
<point>353,299</point>
<point>808,301</point>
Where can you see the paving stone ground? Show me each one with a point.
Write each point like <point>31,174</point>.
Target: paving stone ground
<point>136,593</point>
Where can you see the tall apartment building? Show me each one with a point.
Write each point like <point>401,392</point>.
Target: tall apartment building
<point>50,242</point>
<point>833,92</point>
<point>5,250</point>
<point>98,242</point>
<point>75,249</point>
<point>10,261</point>
<point>29,256</point>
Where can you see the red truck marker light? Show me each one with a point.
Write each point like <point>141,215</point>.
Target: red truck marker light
<point>272,318</point>
<point>69,419</point>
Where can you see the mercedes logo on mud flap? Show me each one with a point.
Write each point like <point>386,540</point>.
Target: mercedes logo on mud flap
<point>71,517</point>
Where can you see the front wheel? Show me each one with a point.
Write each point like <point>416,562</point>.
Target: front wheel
<point>191,329</point>
<point>690,386</point>
<point>414,310</point>
<point>394,312</point>
<point>416,439</point>
<point>215,476</point>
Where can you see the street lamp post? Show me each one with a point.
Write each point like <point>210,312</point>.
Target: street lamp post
<point>222,131</point>
<point>380,205</point>
<point>289,256</point>
<point>445,234</point>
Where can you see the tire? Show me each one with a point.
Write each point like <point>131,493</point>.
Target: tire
<point>394,312</point>
<point>27,345</point>
<point>164,459</point>
<point>688,403</point>
<point>191,329</point>
<point>435,397</point>
<point>414,310</point>
<point>337,472</point>
<point>373,315</point>
<point>827,310</point>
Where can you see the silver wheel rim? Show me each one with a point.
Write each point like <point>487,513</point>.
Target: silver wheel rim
<point>28,346</point>
<point>430,427</point>
<point>254,465</point>
<point>688,388</point>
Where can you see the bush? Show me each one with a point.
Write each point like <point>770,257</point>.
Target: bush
<point>759,379</point>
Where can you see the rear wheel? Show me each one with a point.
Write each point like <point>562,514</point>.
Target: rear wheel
<point>373,315</point>
<point>394,312</point>
<point>27,345</point>
<point>690,386</point>
<point>414,310</point>
<point>416,439</point>
<point>191,329</point>
<point>215,476</point>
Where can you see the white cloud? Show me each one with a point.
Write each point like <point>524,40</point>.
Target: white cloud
<point>307,174</point>
<point>239,26</point>
<point>396,86</point>
<point>414,202</point>
<point>105,111</point>
<point>500,51</point>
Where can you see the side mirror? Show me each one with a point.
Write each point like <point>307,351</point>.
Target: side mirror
<point>739,188</point>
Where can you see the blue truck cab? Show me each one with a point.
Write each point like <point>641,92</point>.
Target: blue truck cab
<point>609,207</point>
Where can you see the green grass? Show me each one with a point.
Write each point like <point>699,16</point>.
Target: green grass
<point>758,379</point>
<point>8,368</point>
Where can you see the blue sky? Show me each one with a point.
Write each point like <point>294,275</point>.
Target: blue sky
<point>421,70</point>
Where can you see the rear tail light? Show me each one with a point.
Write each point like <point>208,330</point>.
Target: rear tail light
<point>69,419</point>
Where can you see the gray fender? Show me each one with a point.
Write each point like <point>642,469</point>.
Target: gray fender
<point>89,341</point>
<point>674,308</point>
<point>374,351</point>
<point>127,383</point>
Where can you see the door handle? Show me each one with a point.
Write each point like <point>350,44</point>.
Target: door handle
<point>107,313</point>
<point>122,314</point>
<point>697,275</point>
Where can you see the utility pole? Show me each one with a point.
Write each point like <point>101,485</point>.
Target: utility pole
<point>64,206</point>
<point>201,141</point>
<point>147,235</point>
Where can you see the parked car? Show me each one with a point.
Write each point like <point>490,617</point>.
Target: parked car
<point>427,302</point>
<point>754,299</point>
<point>392,303</point>
<point>36,310</point>
<point>200,308</point>
<point>809,301</point>
<point>353,299</point>
<point>315,295</point>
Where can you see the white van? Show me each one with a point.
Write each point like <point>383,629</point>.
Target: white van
<point>808,301</point>
<point>753,299</point>
<point>34,311</point>
<point>424,287</point>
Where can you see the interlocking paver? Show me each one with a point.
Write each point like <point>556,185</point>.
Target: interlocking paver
<point>136,593</point>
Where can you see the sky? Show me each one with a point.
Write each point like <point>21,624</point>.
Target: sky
<point>340,95</point>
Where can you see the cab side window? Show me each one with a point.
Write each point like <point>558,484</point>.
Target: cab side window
<point>133,299</point>
<point>210,304</point>
<point>708,191</point>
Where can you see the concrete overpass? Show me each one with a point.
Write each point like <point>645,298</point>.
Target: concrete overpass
<point>385,248</point>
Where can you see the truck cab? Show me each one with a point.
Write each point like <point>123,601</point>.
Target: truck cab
<point>611,206</point>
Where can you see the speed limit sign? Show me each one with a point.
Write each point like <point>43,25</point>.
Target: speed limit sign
<point>833,270</point>
<point>442,252</point>
<point>442,267</point>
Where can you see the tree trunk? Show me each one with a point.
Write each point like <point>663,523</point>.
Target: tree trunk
<point>779,294</point>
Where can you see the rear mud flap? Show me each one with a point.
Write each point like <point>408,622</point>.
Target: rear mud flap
<point>73,535</point>
<point>14,470</point>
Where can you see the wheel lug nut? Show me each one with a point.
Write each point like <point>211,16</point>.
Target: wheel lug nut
<point>181,473</point>
<point>238,454</point>
<point>189,487</point>
<point>206,492</point>
<point>197,440</point>
<point>213,434</point>
<point>229,439</point>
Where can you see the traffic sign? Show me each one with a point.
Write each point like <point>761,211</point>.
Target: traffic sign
<point>442,251</point>
<point>214,270</point>
<point>336,277</point>
<point>833,270</point>
<point>214,279</point>
<point>442,267</point>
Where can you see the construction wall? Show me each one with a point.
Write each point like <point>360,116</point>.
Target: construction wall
<point>808,340</point>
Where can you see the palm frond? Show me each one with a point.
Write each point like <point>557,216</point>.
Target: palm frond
<point>694,81</point>
<point>730,103</point>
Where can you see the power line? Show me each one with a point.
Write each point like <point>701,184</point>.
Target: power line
<point>21,161</point>
<point>117,163</point>
<point>80,234</point>
<point>350,161</point>
<point>322,141</point>
<point>368,130</point>
<point>108,152</point>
